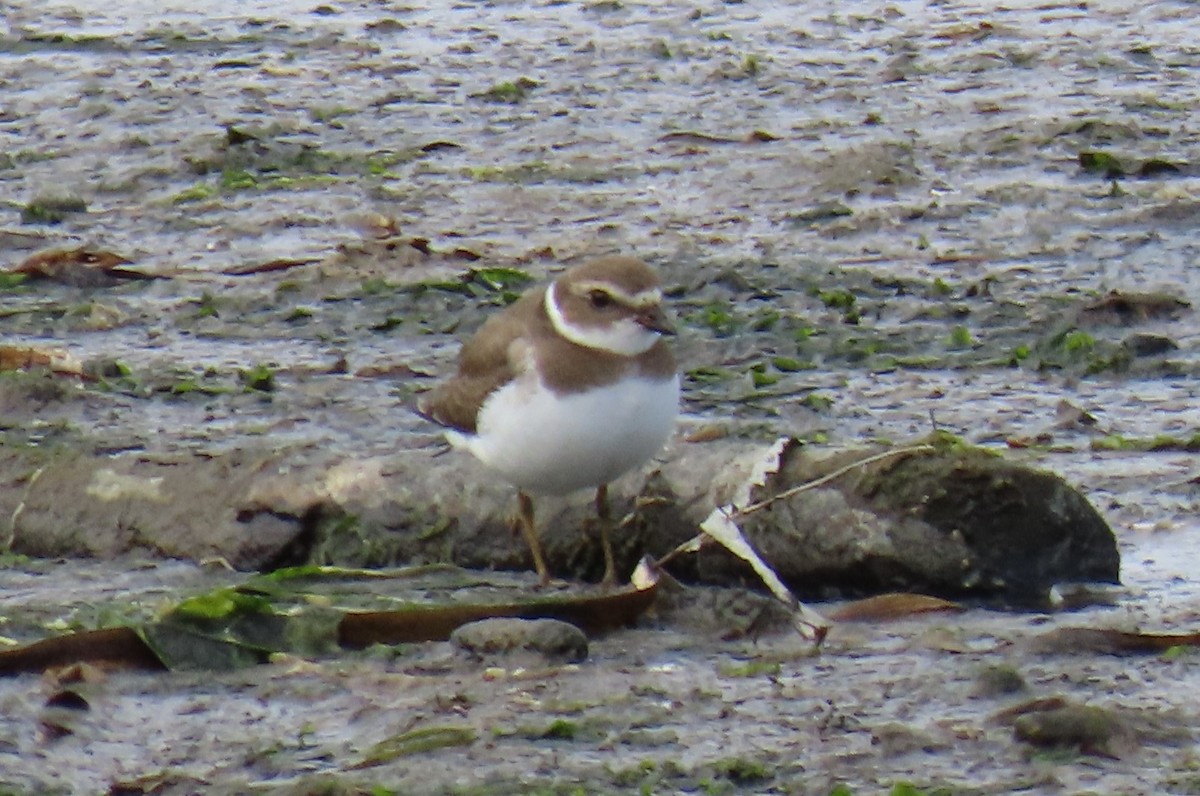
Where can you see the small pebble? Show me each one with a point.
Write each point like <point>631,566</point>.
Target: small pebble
<point>551,639</point>
<point>1092,730</point>
<point>999,680</point>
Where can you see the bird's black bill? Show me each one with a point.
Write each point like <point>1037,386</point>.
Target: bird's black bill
<point>656,321</point>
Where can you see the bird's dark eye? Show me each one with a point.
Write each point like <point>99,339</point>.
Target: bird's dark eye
<point>599,299</point>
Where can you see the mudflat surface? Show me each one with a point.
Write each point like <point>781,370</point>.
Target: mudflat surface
<point>874,220</point>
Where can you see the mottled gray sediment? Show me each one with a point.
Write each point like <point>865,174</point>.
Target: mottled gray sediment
<point>875,220</point>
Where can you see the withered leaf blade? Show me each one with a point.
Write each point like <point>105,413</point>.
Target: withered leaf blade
<point>319,611</point>
<point>82,267</point>
<point>416,742</point>
<point>591,613</point>
<point>116,646</point>
<point>438,146</point>
<point>281,264</point>
<point>897,605</point>
<point>696,137</point>
<point>1091,640</point>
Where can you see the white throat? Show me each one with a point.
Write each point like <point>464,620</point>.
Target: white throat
<point>626,337</point>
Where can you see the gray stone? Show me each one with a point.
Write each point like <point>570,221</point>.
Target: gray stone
<point>550,639</point>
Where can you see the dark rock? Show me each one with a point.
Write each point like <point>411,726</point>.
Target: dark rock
<point>1089,729</point>
<point>954,522</point>
<point>896,738</point>
<point>999,680</point>
<point>1142,344</point>
<point>1121,308</point>
<point>551,639</point>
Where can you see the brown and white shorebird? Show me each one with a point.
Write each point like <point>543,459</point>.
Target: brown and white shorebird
<point>567,388</point>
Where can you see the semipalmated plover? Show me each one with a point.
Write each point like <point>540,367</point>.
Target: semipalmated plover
<point>569,387</point>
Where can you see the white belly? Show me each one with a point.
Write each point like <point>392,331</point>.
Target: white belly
<point>551,444</point>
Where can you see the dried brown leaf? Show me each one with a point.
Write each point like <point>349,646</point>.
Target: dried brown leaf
<point>691,137</point>
<point>438,146</point>
<point>281,264</point>
<point>82,267</point>
<point>28,358</point>
<point>1109,640</point>
<point>117,646</point>
<point>710,432</point>
<point>885,607</point>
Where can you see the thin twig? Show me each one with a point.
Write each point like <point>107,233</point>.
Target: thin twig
<point>838,473</point>
<point>697,543</point>
<point>16,515</point>
<point>693,545</point>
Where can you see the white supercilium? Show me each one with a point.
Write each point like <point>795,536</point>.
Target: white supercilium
<point>627,337</point>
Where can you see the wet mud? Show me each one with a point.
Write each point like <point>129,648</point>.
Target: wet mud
<point>875,221</point>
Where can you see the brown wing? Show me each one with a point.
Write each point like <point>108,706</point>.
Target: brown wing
<point>487,361</point>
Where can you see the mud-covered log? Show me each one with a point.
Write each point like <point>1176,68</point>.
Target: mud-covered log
<point>954,521</point>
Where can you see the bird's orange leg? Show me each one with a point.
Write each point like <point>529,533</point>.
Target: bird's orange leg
<point>525,520</point>
<point>604,515</point>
